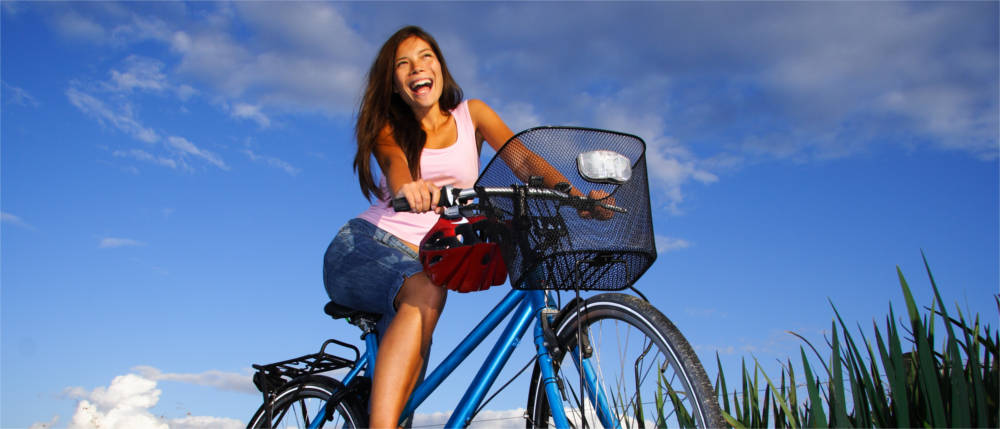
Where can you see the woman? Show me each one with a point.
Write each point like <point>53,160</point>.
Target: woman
<point>423,136</point>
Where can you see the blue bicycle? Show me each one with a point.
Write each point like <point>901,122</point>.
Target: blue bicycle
<point>611,360</point>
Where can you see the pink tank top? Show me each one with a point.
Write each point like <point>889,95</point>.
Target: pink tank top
<point>456,165</point>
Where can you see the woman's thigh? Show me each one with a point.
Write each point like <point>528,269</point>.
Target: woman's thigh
<point>365,267</point>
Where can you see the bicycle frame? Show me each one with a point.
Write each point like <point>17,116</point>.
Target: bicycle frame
<point>525,305</point>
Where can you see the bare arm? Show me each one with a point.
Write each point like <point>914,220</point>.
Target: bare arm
<point>422,196</point>
<point>522,161</point>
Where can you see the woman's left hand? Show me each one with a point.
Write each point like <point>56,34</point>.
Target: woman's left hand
<point>599,213</point>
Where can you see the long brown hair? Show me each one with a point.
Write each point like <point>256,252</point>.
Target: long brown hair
<point>381,107</point>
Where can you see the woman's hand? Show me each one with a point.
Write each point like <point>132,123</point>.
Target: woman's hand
<point>599,213</point>
<point>422,196</point>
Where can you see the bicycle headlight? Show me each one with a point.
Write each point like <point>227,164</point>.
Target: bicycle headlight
<point>604,166</point>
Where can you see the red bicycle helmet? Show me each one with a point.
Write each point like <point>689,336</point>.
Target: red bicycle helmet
<point>464,254</point>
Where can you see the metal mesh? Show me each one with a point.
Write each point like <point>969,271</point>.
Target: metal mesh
<point>559,249</point>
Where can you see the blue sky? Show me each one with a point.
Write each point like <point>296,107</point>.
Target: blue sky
<point>173,172</point>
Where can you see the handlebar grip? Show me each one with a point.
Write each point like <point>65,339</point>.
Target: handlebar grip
<point>400,204</point>
<point>447,199</point>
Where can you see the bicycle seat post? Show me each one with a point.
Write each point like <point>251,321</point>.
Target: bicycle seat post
<point>364,323</point>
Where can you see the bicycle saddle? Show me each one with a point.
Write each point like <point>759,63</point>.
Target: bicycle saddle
<point>338,311</point>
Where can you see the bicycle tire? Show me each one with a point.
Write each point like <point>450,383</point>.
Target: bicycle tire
<point>298,402</point>
<point>605,317</point>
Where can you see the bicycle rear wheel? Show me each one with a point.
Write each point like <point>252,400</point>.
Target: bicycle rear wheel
<point>301,402</point>
<point>645,369</point>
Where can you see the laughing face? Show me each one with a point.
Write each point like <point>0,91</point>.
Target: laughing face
<point>418,79</point>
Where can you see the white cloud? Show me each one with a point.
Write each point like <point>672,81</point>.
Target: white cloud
<point>14,220</point>
<point>113,242</point>
<point>251,112</point>
<point>142,155</point>
<point>839,67</point>
<point>122,119</point>
<point>204,422</point>
<point>666,244</point>
<point>143,74</point>
<point>518,116</point>
<point>273,162</point>
<point>309,28</point>
<point>305,56</point>
<point>140,73</point>
<point>217,379</point>
<point>183,147</point>
<point>126,404</point>
<point>45,425</point>
<point>75,26</point>
<point>486,419</point>
<point>18,96</point>
<point>722,350</point>
<point>140,28</point>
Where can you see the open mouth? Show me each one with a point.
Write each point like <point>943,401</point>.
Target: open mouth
<point>421,86</point>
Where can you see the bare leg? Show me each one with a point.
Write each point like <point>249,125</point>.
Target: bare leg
<point>404,347</point>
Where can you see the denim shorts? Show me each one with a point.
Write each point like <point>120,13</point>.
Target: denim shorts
<point>364,268</point>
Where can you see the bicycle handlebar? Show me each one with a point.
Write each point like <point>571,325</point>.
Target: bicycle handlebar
<point>451,197</point>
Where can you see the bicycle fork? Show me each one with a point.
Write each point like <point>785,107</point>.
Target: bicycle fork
<point>544,341</point>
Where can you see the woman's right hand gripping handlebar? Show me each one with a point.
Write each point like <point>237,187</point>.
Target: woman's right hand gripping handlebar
<point>420,195</point>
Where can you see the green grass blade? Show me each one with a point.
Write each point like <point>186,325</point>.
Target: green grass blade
<point>900,395</point>
<point>862,386</point>
<point>755,400</point>
<point>926,369</point>
<point>839,405</point>
<point>684,418</point>
<point>749,399</point>
<point>764,403</point>
<point>661,421</point>
<point>781,400</point>
<point>780,416</point>
<point>975,370</point>
<point>817,418</point>
<point>793,396</point>
<point>732,421</point>
<point>879,398</point>
<point>959,388</point>
<point>721,388</point>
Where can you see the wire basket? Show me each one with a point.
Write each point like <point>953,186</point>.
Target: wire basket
<point>555,247</point>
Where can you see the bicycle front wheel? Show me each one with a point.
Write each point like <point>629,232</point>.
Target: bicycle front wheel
<point>300,403</point>
<point>636,365</point>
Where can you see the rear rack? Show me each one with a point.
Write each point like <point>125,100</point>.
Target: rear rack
<point>269,378</point>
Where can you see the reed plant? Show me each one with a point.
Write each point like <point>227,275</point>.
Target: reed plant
<point>880,384</point>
